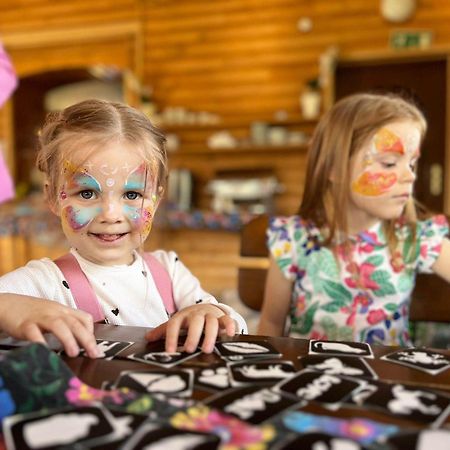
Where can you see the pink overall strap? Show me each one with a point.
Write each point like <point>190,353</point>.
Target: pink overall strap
<point>79,285</point>
<point>162,281</point>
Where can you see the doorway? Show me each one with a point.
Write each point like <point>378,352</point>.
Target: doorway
<point>424,81</point>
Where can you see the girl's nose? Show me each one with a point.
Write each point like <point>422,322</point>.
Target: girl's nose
<point>111,211</point>
<point>409,174</point>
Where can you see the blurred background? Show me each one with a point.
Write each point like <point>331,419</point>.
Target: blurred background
<point>237,85</point>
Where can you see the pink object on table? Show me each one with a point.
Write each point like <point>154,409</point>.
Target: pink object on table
<point>8,82</point>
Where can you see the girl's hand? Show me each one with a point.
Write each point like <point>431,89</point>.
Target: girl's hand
<point>25,317</point>
<point>206,318</point>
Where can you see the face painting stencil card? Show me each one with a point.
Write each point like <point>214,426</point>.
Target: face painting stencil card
<point>252,404</point>
<point>310,385</point>
<point>177,383</point>
<point>420,359</point>
<point>260,372</point>
<point>318,347</point>
<point>109,348</point>
<point>246,349</point>
<point>163,359</point>
<point>339,365</point>
<point>58,428</point>
<point>407,402</point>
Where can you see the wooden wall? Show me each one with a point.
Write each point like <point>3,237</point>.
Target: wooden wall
<point>241,59</point>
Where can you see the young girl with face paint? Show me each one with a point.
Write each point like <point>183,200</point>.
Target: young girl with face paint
<point>345,266</point>
<point>106,167</point>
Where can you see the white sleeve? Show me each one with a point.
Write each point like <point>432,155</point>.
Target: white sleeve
<point>187,290</point>
<point>39,278</point>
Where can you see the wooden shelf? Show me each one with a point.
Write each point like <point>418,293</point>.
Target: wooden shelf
<point>192,150</point>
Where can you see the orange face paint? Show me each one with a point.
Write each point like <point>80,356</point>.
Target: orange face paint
<point>386,141</point>
<point>373,184</point>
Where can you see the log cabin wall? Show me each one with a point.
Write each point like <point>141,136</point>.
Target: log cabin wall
<point>243,60</point>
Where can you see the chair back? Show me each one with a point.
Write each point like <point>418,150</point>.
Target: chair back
<point>430,301</point>
<point>253,262</point>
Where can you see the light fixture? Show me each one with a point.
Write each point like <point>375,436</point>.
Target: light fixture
<point>397,11</point>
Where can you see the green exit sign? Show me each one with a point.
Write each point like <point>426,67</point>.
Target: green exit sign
<point>410,39</point>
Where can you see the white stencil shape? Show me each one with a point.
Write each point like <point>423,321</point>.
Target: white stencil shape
<point>317,387</point>
<point>246,406</point>
<point>339,347</point>
<point>334,366</point>
<point>422,358</point>
<point>215,377</point>
<point>273,371</point>
<point>183,442</point>
<point>60,429</point>
<point>405,401</point>
<point>433,439</point>
<point>247,348</point>
<point>159,382</point>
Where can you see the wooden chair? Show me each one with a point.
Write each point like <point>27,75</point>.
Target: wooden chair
<point>430,298</point>
<point>253,262</point>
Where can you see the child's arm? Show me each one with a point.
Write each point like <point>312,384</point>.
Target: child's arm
<point>196,319</point>
<point>277,298</point>
<point>25,317</point>
<point>442,265</point>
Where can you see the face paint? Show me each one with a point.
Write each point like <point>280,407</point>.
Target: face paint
<point>385,141</point>
<point>77,218</point>
<point>373,184</point>
<point>136,179</point>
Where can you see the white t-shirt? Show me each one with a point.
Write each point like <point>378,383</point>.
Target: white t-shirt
<point>126,295</point>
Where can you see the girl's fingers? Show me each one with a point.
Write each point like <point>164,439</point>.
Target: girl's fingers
<point>172,333</point>
<point>86,339</point>
<point>211,332</point>
<point>63,333</point>
<point>194,333</point>
<point>228,324</point>
<point>31,332</point>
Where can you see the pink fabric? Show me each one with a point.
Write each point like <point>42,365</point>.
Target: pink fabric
<point>8,78</point>
<point>6,184</point>
<point>8,82</point>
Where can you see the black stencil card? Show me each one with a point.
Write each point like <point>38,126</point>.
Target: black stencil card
<point>317,347</point>
<point>421,359</point>
<point>428,439</point>
<point>310,385</point>
<point>251,404</point>
<point>317,441</point>
<point>349,366</point>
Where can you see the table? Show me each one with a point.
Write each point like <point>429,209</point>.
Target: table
<point>95,372</point>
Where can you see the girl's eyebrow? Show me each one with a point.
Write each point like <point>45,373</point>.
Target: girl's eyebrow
<point>83,180</point>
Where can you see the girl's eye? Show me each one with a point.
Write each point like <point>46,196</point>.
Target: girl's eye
<point>86,195</point>
<point>132,195</point>
<point>388,165</point>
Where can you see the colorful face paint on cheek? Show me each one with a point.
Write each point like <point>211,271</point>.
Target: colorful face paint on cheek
<point>142,219</point>
<point>373,184</point>
<point>77,218</point>
<point>386,141</point>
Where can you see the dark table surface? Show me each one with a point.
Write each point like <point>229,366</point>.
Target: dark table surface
<point>95,372</point>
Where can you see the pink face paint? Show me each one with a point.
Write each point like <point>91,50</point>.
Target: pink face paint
<point>78,218</point>
<point>373,184</point>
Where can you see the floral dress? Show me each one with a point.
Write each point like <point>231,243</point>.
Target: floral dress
<point>361,294</point>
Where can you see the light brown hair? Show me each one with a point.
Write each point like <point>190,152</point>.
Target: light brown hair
<point>97,122</point>
<point>341,132</point>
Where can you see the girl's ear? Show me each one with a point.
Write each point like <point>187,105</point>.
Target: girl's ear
<point>51,203</point>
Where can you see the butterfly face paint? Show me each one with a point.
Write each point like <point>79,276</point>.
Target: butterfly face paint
<point>385,143</point>
<point>382,174</point>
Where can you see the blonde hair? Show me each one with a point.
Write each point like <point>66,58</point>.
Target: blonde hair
<point>341,132</point>
<point>97,122</point>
